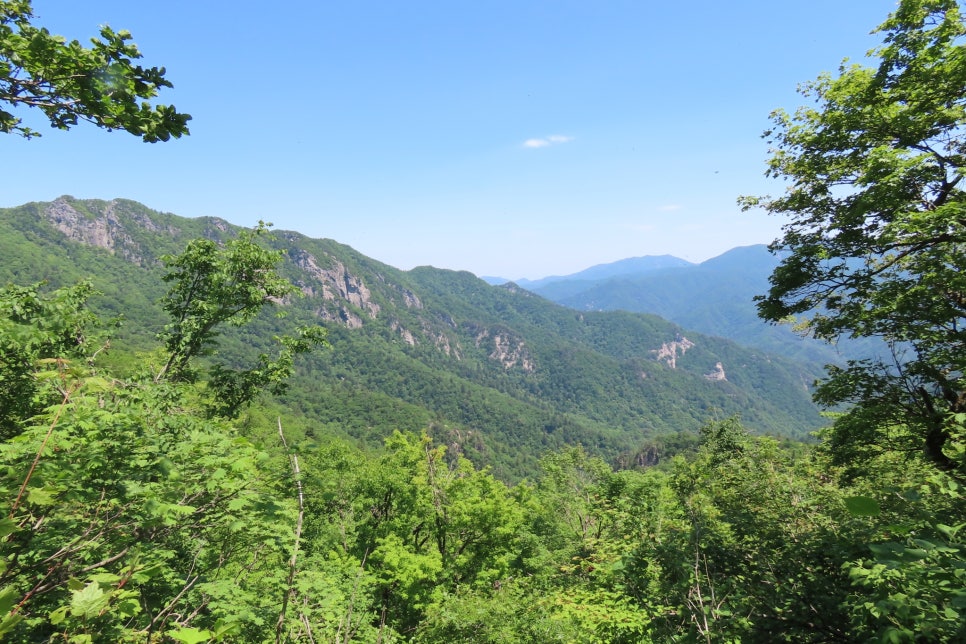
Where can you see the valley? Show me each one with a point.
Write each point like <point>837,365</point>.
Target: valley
<point>497,373</point>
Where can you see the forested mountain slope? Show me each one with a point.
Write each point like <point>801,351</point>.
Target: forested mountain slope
<point>632,266</point>
<point>497,373</point>
<point>715,297</point>
<point>153,494</point>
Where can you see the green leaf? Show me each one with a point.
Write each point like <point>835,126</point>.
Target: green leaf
<point>89,602</point>
<point>949,532</point>
<point>144,574</point>
<point>7,526</point>
<point>129,607</point>
<point>95,384</point>
<point>862,506</point>
<point>8,598</point>
<point>8,622</point>
<point>40,496</point>
<point>57,616</point>
<point>899,529</point>
<point>224,628</point>
<point>191,635</point>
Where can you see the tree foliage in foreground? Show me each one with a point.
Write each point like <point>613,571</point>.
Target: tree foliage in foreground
<point>213,287</point>
<point>101,84</point>
<point>34,327</point>
<point>132,511</point>
<point>876,238</point>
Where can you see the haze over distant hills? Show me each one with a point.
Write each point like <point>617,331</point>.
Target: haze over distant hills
<point>714,297</point>
<point>495,373</point>
<point>624,267</point>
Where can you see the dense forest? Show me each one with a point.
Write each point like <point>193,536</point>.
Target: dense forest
<point>499,375</point>
<point>715,297</point>
<point>151,502</point>
<point>163,487</point>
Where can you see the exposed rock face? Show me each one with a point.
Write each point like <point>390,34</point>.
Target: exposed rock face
<point>104,230</point>
<point>669,351</point>
<point>219,224</point>
<point>649,456</point>
<point>146,222</point>
<point>443,344</point>
<point>441,340</point>
<point>507,350</point>
<point>457,439</point>
<point>510,351</point>
<point>337,283</point>
<point>717,374</point>
<point>448,320</point>
<point>410,299</point>
<point>514,288</point>
<point>342,315</point>
<point>403,332</point>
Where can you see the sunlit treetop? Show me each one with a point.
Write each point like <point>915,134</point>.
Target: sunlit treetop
<point>875,243</point>
<point>69,82</point>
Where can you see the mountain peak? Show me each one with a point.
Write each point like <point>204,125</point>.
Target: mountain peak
<point>620,268</point>
<point>427,349</point>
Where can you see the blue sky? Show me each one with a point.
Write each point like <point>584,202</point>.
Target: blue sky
<point>507,138</point>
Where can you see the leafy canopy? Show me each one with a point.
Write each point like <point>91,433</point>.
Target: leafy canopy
<point>38,327</point>
<point>68,82</point>
<point>877,232</point>
<point>213,286</point>
<point>130,507</point>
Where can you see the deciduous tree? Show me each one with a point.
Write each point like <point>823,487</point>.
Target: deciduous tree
<point>876,241</point>
<point>125,513</point>
<point>101,84</point>
<point>39,326</point>
<point>215,285</point>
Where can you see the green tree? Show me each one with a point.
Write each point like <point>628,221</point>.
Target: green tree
<point>757,552</point>
<point>907,584</point>
<point>215,285</point>
<point>126,514</point>
<point>419,531</point>
<point>116,495</point>
<point>36,325</point>
<point>597,582</point>
<point>877,232</point>
<point>68,82</point>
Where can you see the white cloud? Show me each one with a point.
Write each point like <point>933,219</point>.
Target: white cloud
<point>553,139</point>
<point>671,207</point>
<point>536,143</point>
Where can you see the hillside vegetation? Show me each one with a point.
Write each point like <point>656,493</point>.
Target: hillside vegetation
<point>141,507</point>
<point>496,373</point>
<point>213,434</point>
<point>715,297</point>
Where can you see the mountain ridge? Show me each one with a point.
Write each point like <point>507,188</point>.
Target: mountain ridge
<point>497,373</point>
<point>621,267</point>
<point>715,297</point>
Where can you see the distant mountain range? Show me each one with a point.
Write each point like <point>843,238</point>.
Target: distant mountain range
<point>496,373</point>
<point>715,297</point>
<point>632,266</point>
